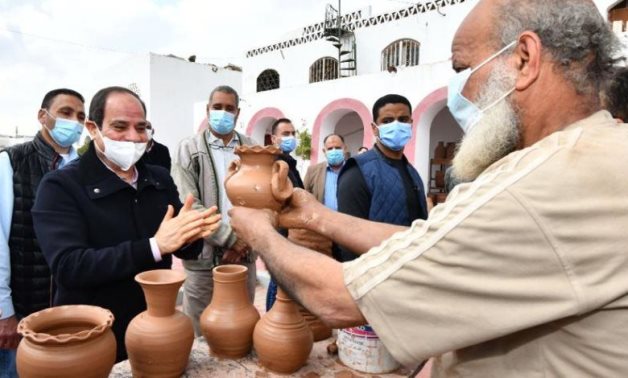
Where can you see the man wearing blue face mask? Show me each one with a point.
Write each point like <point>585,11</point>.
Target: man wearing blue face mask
<point>380,184</point>
<point>283,135</point>
<point>200,167</point>
<point>24,275</point>
<point>322,179</point>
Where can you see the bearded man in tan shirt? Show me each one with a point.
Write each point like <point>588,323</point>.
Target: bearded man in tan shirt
<point>523,271</point>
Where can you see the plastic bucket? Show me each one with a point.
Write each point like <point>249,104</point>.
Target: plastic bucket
<point>360,349</point>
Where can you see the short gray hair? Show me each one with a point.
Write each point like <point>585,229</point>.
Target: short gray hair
<point>573,31</point>
<point>225,89</point>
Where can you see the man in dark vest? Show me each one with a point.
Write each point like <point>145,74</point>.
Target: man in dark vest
<point>24,275</point>
<point>380,184</point>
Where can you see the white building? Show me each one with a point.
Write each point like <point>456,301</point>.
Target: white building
<point>296,77</point>
<point>175,90</point>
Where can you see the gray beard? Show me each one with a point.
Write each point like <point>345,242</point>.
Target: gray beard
<point>497,133</point>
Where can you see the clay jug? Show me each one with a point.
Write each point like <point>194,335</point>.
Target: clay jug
<point>439,179</point>
<point>65,342</point>
<point>440,152</point>
<point>282,339</point>
<point>450,150</point>
<point>228,322</point>
<point>159,340</point>
<point>323,245</point>
<point>258,179</point>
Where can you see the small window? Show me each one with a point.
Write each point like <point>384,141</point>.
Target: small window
<point>401,53</point>
<point>267,80</point>
<point>324,69</point>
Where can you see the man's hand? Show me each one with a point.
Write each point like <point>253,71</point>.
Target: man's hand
<point>236,253</point>
<point>251,224</point>
<point>9,338</point>
<point>302,212</point>
<point>188,226</point>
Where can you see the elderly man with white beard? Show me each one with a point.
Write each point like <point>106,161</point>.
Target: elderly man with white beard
<point>521,272</point>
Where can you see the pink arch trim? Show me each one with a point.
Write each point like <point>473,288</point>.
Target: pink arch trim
<point>431,99</point>
<point>261,114</point>
<point>343,103</point>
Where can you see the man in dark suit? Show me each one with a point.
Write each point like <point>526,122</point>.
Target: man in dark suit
<point>156,153</point>
<point>322,179</point>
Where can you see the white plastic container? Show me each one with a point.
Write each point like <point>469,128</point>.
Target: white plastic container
<point>360,349</point>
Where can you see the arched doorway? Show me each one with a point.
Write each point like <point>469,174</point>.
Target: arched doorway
<point>260,124</point>
<point>347,117</point>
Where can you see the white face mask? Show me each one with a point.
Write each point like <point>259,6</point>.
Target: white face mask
<point>122,153</point>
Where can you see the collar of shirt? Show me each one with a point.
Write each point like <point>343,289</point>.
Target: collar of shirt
<point>133,182</point>
<point>218,143</point>
<point>329,167</point>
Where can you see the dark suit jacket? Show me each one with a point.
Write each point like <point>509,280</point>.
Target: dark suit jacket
<point>315,180</point>
<point>158,155</point>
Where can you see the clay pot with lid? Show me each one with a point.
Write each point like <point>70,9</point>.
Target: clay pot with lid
<point>159,340</point>
<point>282,339</point>
<point>65,342</point>
<point>258,179</point>
<point>228,322</point>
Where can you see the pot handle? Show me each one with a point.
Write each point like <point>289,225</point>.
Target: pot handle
<point>234,167</point>
<point>280,184</point>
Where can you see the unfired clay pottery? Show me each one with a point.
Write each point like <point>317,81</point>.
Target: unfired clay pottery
<point>65,342</point>
<point>323,245</point>
<point>159,340</point>
<point>440,151</point>
<point>228,322</point>
<point>282,339</point>
<point>258,179</point>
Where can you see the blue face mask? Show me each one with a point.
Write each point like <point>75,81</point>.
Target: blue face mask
<point>395,135</point>
<point>335,157</point>
<point>466,113</point>
<point>66,131</point>
<point>221,121</point>
<point>288,144</point>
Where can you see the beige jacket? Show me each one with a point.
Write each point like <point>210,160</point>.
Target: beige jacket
<point>522,273</point>
<point>193,171</point>
<point>314,181</point>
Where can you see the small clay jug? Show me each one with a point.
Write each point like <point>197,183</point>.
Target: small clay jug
<point>282,339</point>
<point>228,322</point>
<point>258,179</point>
<point>439,179</point>
<point>450,150</point>
<point>440,152</point>
<point>66,342</point>
<point>159,340</point>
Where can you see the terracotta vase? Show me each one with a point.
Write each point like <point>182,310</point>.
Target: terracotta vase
<point>65,342</point>
<point>439,179</point>
<point>450,150</point>
<point>323,245</point>
<point>159,340</point>
<point>440,152</point>
<point>282,339</point>
<point>258,179</point>
<point>228,322</point>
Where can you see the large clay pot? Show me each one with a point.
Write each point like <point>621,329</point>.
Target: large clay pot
<point>228,322</point>
<point>282,339</point>
<point>450,150</point>
<point>258,179</point>
<point>65,342</point>
<point>159,340</point>
<point>440,152</point>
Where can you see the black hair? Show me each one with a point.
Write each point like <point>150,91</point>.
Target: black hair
<point>331,135</point>
<point>276,123</point>
<point>97,105</point>
<point>50,96</point>
<point>389,99</point>
<point>617,94</point>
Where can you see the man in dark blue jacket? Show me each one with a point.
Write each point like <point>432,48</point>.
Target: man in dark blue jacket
<point>108,216</point>
<point>380,184</point>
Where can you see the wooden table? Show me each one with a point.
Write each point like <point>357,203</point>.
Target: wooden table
<point>320,364</point>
